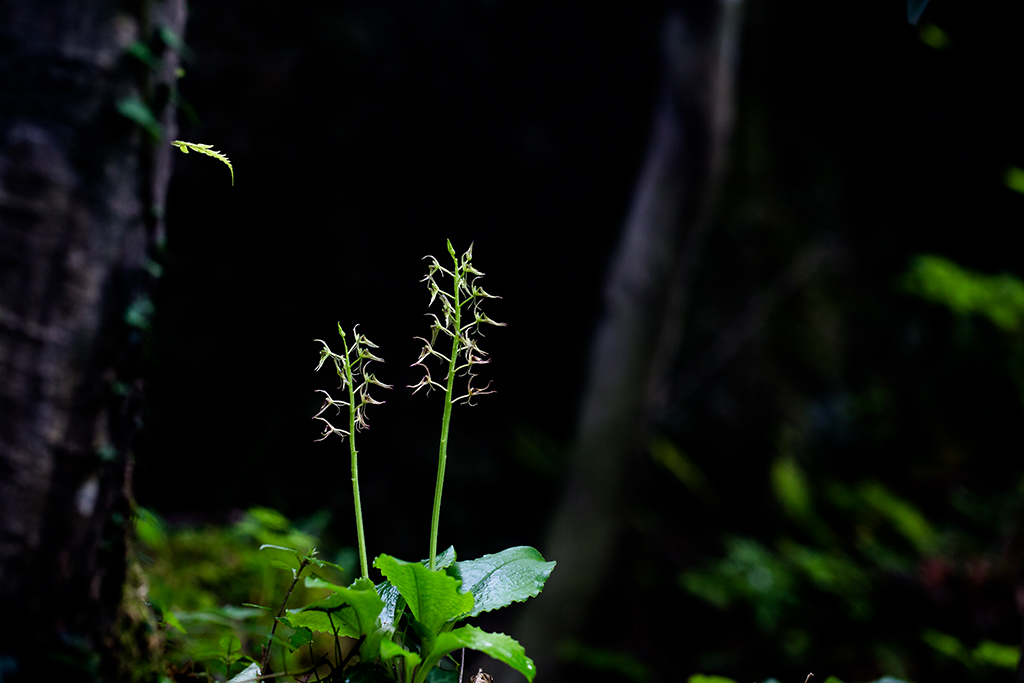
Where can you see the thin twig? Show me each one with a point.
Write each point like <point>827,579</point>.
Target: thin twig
<point>280,613</point>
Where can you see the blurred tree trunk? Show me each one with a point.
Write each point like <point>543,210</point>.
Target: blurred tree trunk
<point>637,339</point>
<point>83,176</point>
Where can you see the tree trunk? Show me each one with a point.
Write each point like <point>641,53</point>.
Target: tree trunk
<point>82,186</point>
<point>645,297</point>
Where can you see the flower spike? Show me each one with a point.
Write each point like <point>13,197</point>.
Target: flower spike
<point>463,297</point>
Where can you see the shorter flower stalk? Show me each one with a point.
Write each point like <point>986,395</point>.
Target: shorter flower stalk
<point>351,367</point>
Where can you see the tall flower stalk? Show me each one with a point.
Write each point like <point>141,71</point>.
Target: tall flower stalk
<point>462,320</point>
<point>351,366</point>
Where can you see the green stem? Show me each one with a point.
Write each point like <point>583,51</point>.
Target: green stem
<point>355,459</point>
<point>446,420</point>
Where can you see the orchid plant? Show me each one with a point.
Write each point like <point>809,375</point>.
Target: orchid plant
<point>406,627</point>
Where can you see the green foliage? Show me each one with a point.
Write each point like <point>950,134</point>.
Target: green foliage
<point>134,109</point>
<point>207,150</point>
<point>1000,298</point>
<point>410,622</point>
<point>1015,179</point>
<point>986,654</point>
<point>206,583</point>
<point>402,628</point>
<point>621,664</point>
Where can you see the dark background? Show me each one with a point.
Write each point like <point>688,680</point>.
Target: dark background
<point>364,134</point>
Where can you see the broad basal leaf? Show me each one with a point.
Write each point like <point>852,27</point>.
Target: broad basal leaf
<point>433,596</point>
<point>352,611</point>
<point>498,580</point>
<point>497,645</point>
<point>394,603</point>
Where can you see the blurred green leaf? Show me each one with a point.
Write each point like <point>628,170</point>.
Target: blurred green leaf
<point>134,109</point>
<point>142,52</point>
<point>172,621</point>
<point>1015,179</point>
<point>947,645</point>
<point>906,519</point>
<point>665,453</point>
<point>791,487</point>
<point>934,37</point>
<point>703,678</point>
<point>1000,298</point>
<point>748,572</point>
<point>150,529</point>
<point>997,654</point>
<point>623,664</point>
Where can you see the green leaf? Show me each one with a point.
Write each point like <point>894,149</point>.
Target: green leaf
<point>907,520</point>
<point>997,654</point>
<point>1015,179</point>
<point>142,52</point>
<point>394,603</point>
<point>299,639</point>
<point>150,529</point>
<point>230,649</point>
<point>324,563</point>
<point>172,621</point>
<point>389,649</point>
<point>443,560</point>
<point>947,645</point>
<point>433,596</point>
<point>497,645</point>
<point>1000,298</point>
<point>353,610</point>
<point>136,110</point>
<point>208,150</point>
<point>279,547</point>
<point>436,675</point>
<point>703,678</point>
<point>174,41</point>
<point>498,580</point>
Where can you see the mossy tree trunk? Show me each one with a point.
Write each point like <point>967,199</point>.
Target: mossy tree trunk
<point>82,187</point>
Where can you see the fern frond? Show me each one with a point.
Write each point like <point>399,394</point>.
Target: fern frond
<point>208,150</point>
